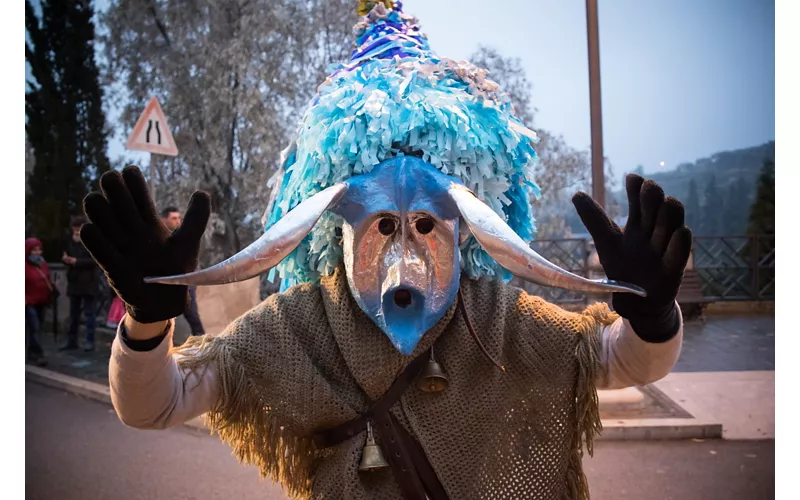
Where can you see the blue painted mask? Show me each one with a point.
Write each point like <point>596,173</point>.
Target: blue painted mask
<point>400,241</point>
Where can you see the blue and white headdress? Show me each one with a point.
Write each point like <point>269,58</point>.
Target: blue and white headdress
<point>394,95</point>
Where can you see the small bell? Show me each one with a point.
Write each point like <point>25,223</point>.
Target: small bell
<point>432,378</point>
<point>371,456</point>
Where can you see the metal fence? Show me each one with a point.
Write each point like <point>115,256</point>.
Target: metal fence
<point>730,267</point>
<point>736,267</point>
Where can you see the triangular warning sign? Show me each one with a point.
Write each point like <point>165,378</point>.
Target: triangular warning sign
<point>151,132</point>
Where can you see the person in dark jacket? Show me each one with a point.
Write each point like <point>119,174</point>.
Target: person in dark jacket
<point>171,217</point>
<point>38,293</point>
<point>83,286</point>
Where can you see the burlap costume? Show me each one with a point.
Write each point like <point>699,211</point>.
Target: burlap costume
<point>309,359</point>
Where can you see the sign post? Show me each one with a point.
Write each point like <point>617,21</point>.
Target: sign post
<point>152,134</point>
<point>153,175</point>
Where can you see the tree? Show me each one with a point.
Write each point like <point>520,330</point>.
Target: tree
<point>233,78</point>
<point>562,170</point>
<point>761,228</point>
<point>30,161</point>
<point>692,207</point>
<point>712,210</point>
<point>762,213</point>
<point>508,72</point>
<point>737,205</point>
<point>744,195</point>
<point>65,123</point>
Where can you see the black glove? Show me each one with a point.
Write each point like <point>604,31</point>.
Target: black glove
<point>652,252</point>
<point>129,242</point>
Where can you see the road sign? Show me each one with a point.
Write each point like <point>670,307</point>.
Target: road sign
<point>151,132</point>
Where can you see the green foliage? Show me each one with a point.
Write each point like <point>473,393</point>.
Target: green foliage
<point>762,212</point>
<point>760,250</point>
<point>737,207</point>
<point>65,123</point>
<point>713,209</point>
<point>693,208</point>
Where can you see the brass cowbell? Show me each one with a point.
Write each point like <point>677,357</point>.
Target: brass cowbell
<point>432,378</point>
<point>371,456</point>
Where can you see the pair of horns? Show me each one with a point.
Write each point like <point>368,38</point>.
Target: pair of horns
<point>493,234</point>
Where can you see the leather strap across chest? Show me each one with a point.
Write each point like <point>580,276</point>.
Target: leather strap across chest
<point>410,466</point>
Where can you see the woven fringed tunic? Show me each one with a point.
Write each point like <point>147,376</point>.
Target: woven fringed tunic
<point>310,359</point>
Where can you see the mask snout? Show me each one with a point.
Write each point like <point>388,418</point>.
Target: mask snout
<point>403,310</point>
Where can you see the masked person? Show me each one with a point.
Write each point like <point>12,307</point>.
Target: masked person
<point>396,362</point>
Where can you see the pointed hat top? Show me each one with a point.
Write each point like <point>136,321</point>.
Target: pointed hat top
<point>386,32</point>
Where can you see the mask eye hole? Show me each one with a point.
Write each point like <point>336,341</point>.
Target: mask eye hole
<point>386,226</point>
<point>424,225</point>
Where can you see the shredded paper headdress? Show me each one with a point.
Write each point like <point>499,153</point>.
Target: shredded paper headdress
<point>396,96</point>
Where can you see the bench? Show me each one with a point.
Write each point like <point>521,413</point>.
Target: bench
<point>690,294</point>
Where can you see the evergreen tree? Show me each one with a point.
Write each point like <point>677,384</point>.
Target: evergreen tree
<point>737,206</point>
<point>65,123</point>
<point>713,212</point>
<point>692,207</point>
<point>761,226</point>
<point>762,212</point>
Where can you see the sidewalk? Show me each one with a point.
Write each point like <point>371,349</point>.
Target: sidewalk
<point>91,366</point>
<point>686,404</point>
<point>742,401</point>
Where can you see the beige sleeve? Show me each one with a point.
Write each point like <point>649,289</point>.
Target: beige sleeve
<point>629,361</point>
<point>149,391</point>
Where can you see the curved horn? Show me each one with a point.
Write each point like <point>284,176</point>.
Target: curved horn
<point>267,251</point>
<point>511,252</point>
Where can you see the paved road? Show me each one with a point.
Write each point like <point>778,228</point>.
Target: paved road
<point>728,343</point>
<point>76,449</point>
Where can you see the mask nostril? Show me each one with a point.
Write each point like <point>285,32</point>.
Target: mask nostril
<point>402,298</point>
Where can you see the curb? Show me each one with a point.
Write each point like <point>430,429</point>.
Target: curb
<point>80,387</point>
<point>659,429</point>
<point>613,430</point>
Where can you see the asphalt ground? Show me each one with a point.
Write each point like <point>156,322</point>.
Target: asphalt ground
<point>77,449</point>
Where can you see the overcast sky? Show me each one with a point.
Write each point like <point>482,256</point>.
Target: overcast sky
<point>681,79</point>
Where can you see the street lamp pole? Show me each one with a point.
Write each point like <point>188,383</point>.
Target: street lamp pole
<point>598,176</point>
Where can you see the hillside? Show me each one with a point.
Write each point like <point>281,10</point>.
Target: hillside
<point>734,175</point>
<point>726,167</point>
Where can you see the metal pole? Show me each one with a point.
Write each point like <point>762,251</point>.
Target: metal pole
<point>153,176</point>
<point>598,176</point>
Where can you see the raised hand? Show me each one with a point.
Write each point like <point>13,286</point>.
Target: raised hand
<point>129,242</point>
<point>651,252</point>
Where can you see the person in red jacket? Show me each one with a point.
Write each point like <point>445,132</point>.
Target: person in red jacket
<point>38,291</point>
